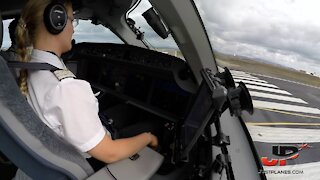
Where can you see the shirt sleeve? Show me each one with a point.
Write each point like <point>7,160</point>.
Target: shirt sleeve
<point>74,105</point>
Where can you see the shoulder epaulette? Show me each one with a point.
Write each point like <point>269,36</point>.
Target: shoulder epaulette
<point>63,74</point>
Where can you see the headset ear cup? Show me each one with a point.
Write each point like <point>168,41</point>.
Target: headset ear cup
<point>55,18</point>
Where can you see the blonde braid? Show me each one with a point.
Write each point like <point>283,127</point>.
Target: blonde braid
<point>23,41</point>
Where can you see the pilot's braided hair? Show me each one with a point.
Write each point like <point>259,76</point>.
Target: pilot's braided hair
<point>30,22</point>
<point>23,41</point>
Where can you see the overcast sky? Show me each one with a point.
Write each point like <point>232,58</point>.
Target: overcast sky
<point>285,32</point>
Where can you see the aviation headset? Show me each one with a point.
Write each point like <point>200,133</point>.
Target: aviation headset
<point>55,17</point>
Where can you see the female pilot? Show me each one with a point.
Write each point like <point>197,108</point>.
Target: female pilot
<point>68,106</point>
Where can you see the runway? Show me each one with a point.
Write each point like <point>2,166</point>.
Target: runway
<point>285,114</point>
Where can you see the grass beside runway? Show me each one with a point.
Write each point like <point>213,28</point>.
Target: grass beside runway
<point>242,64</point>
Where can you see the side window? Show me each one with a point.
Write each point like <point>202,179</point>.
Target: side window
<point>84,32</point>
<point>88,32</point>
<point>6,42</point>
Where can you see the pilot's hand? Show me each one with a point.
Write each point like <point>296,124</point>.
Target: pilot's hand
<point>154,141</point>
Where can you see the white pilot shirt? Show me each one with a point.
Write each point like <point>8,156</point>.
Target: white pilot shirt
<point>69,106</point>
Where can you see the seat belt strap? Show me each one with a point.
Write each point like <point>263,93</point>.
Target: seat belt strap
<point>31,65</point>
<point>59,73</point>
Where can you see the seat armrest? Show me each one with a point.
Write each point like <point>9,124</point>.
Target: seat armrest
<point>142,166</point>
<point>103,173</point>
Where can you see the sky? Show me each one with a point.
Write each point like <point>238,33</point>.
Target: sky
<point>284,32</point>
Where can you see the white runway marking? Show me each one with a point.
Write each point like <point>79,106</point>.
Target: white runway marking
<point>241,74</point>
<point>286,80</point>
<point>249,86</point>
<point>283,135</point>
<point>249,79</point>
<point>237,72</point>
<point>244,76</point>
<point>258,83</point>
<point>278,97</point>
<point>284,107</point>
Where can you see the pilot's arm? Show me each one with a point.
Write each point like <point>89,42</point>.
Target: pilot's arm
<point>73,103</point>
<point>109,150</point>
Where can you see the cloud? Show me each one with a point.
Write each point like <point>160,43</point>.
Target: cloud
<point>283,32</point>
<point>87,32</point>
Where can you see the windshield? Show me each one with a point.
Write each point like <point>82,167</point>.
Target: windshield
<point>273,47</point>
<point>88,32</point>
<point>84,32</point>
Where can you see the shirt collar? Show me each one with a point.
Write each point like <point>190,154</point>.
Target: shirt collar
<point>47,57</point>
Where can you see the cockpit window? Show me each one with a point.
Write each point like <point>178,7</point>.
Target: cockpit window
<point>6,43</point>
<point>151,38</point>
<point>273,48</point>
<point>88,32</point>
<point>283,33</point>
<point>84,32</point>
